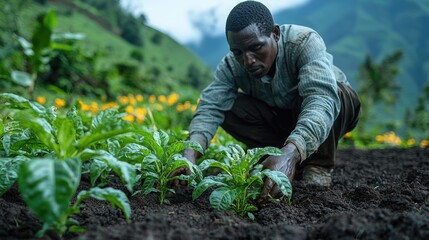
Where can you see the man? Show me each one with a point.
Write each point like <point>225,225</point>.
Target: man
<point>277,87</point>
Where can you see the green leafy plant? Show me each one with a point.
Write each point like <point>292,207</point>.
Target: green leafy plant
<point>49,178</point>
<point>161,160</point>
<point>48,185</point>
<point>103,163</point>
<point>39,50</point>
<point>241,179</point>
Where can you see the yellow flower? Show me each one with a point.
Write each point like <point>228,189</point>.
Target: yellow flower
<point>389,137</point>
<point>58,102</point>
<point>379,138</point>
<point>187,104</point>
<point>397,141</point>
<point>123,100</point>
<point>424,143</point>
<point>180,107</point>
<point>194,108</point>
<point>129,118</point>
<point>348,135</point>
<point>152,99</point>
<point>93,107</point>
<point>83,106</point>
<point>132,99</point>
<point>162,98</point>
<point>139,98</point>
<point>172,99</point>
<point>129,109</point>
<point>158,107</point>
<point>140,114</point>
<point>141,111</point>
<point>215,138</point>
<point>109,105</point>
<point>411,142</point>
<point>41,99</point>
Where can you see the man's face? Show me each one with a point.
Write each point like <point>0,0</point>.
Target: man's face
<point>253,50</point>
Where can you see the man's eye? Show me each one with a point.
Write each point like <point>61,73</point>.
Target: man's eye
<point>256,47</point>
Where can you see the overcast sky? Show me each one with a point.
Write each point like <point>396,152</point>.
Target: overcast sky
<point>180,18</point>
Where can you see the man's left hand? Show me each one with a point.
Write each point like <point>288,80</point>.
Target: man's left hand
<point>285,163</point>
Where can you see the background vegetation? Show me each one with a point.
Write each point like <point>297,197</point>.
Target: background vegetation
<point>94,48</point>
<point>61,52</point>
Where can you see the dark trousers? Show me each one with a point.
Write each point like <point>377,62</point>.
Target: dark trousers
<point>256,124</point>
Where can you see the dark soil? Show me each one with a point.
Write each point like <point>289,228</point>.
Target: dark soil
<point>377,194</point>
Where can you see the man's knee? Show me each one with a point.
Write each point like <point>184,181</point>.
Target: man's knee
<point>350,108</point>
<point>249,110</point>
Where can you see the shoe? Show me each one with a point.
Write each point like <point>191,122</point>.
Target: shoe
<point>316,175</point>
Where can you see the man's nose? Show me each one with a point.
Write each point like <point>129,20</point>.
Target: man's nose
<point>249,59</point>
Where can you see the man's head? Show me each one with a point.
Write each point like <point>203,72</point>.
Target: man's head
<point>247,13</point>
<point>252,37</point>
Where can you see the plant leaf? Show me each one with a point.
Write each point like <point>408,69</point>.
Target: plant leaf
<point>66,135</point>
<point>13,138</point>
<point>282,182</point>
<point>48,185</point>
<point>1,127</point>
<point>106,124</point>
<point>96,169</point>
<point>77,121</point>
<point>161,138</point>
<point>94,137</point>
<point>9,171</point>
<point>148,186</point>
<point>133,153</point>
<point>115,197</point>
<point>124,170</point>
<point>204,185</point>
<point>43,130</point>
<point>177,163</point>
<point>179,146</point>
<point>222,198</point>
<point>256,154</point>
<point>234,153</point>
<point>18,102</point>
<point>150,142</point>
<point>21,78</point>
<point>207,163</point>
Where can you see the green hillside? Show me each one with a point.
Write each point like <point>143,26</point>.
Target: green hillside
<point>158,65</point>
<point>357,28</point>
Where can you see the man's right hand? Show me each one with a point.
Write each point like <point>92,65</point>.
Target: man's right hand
<point>192,156</point>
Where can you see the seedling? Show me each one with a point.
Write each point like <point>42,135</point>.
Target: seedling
<point>241,179</point>
<point>162,159</point>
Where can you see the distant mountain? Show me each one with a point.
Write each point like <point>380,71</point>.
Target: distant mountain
<point>352,29</point>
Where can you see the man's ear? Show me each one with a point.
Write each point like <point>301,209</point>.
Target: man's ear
<point>276,32</point>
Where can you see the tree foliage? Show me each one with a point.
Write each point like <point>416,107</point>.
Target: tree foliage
<point>377,81</point>
<point>377,84</point>
<point>418,119</point>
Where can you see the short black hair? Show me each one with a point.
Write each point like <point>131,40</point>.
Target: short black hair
<point>247,13</point>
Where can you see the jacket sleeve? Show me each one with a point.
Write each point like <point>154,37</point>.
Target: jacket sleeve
<point>215,100</point>
<point>317,87</point>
